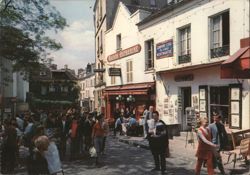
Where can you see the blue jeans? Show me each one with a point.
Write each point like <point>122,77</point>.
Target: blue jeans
<point>98,143</point>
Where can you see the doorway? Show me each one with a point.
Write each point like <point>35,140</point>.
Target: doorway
<point>186,97</point>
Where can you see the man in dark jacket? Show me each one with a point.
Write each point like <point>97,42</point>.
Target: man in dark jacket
<point>219,137</point>
<point>158,141</point>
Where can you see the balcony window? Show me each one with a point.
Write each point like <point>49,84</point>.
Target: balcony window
<point>220,36</point>
<point>149,54</point>
<point>185,45</point>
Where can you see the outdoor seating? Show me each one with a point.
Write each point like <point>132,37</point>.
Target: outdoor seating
<point>241,151</point>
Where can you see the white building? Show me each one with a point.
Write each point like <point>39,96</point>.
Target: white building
<point>87,85</point>
<point>13,90</point>
<point>134,81</point>
<point>192,40</point>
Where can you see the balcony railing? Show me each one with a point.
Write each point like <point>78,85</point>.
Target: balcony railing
<point>220,51</point>
<point>184,59</point>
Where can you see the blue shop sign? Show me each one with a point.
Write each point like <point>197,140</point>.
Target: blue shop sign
<point>164,49</point>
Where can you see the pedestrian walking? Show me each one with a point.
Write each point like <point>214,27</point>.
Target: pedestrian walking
<point>9,148</point>
<point>74,146</point>
<point>105,126</point>
<point>97,137</point>
<point>219,137</point>
<point>87,131</point>
<point>205,148</point>
<point>37,163</point>
<point>158,141</point>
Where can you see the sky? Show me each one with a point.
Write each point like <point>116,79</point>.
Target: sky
<point>78,38</point>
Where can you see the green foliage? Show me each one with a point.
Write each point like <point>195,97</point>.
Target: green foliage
<point>23,26</point>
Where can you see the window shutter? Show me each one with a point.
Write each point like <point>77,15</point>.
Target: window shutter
<point>235,106</point>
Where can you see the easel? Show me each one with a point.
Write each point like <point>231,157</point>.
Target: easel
<point>191,140</point>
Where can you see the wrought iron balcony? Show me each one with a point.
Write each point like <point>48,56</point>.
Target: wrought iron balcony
<point>184,58</point>
<point>220,51</point>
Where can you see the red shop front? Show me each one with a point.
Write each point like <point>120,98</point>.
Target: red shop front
<point>131,96</point>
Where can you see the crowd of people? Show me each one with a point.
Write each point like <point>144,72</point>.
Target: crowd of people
<point>46,135</point>
<point>41,139</point>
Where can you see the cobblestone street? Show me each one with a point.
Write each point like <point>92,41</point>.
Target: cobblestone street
<point>125,159</point>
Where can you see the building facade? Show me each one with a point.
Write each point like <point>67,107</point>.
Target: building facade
<point>87,86</point>
<point>53,89</point>
<point>193,40</point>
<point>129,83</point>
<point>13,90</point>
<point>104,14</point>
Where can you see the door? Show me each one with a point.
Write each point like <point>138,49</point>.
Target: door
<point>186,102</point>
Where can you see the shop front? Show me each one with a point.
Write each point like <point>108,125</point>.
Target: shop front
<point>202,88</point>
<point>130,97</point>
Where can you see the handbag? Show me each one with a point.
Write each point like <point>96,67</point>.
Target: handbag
<point>92,152</point>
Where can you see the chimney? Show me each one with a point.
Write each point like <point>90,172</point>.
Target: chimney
<point>53,67</point>
<point>65,66</point>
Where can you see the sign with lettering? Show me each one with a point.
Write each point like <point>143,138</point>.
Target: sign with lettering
<point>188,77</point>
<point>164,49</point>
<point>115,72</point>
<point>124,53</point>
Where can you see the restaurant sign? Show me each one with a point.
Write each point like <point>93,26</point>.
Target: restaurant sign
<point>164,49</point>
<point>115,71</point>
<point>124,53</point>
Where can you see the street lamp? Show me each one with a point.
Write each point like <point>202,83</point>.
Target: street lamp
<point>119,98</point>
<point>130,98</point>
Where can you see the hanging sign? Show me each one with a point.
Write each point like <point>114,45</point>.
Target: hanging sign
<point>115,72</point>
<point>164,49</point>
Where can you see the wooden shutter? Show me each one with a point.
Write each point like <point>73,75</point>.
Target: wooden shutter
<point>235,106</point>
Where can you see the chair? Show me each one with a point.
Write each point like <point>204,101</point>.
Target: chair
<point>242,151</point>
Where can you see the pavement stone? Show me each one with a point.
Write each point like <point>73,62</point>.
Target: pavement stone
<point>186,153</point>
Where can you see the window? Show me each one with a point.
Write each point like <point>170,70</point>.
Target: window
<point>149,48</point>
<point>98,44</point>
<point>118,42</point>
<point>112,79</point>
<point>129,71</point>
<point>101,47</point>
<point>43,90</point>
<point>83,86</point>
<point>184,45</point>
<point>152,3</point>
<point>51,88</point>
<point>220,36</point>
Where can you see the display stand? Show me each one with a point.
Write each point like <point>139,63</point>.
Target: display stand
<point>191,122</point>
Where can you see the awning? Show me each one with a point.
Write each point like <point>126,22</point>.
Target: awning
<point>130,89</point>
<point>238,65</point>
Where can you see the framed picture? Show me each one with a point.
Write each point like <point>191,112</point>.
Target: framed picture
<point>235,107</point>
<point>235,94</point>
<point>235,121</point>
<point>203,105</point>
<point>202,94</point>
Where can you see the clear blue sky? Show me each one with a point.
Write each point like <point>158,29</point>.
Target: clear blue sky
<point>78,38</point>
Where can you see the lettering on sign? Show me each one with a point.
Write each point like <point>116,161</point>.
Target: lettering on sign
<point>188,77</point>
<point>124,53</point>
<point>164,49</point>
<point>115,72</point>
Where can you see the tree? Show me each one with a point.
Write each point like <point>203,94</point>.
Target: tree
<point>23,37</point>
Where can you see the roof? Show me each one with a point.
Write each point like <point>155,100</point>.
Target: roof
<point>133,8</point>
<point>167,9</point>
